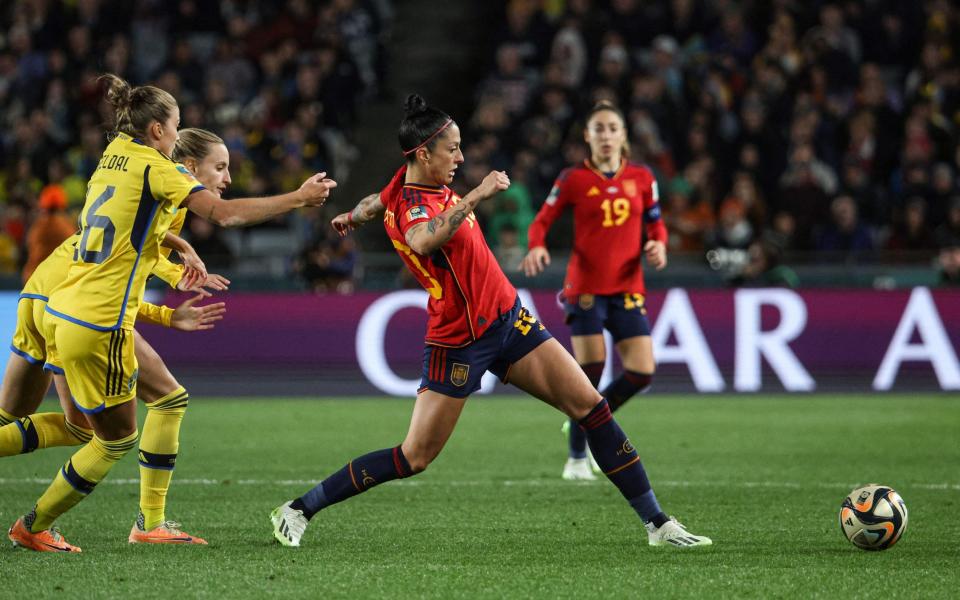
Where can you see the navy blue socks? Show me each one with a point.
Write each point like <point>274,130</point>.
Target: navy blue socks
<point>625,387</point>
<point>358,476</point>
<point>620,463</point>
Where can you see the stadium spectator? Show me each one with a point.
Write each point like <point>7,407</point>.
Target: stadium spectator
<point>765,267</point>
<point>912,232</point>
<point>49,229</point>
<point>688,221</point>
<point>327,265</point>
<point>251,67</point>
<point>845,234</point>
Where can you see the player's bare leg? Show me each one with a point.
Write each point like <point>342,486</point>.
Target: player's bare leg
<point>550,374</point>
<point>166,402</point>
<point>434,417</point>
<point>24,430</point>
<point>23,388</point>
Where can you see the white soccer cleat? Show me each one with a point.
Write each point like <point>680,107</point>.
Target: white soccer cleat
<point>578,469</point>
<point>288,525</point>
<point>673,533</point>
<point>593,463</point>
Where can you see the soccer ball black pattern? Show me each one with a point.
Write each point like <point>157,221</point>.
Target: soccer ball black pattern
<point>873,517</point>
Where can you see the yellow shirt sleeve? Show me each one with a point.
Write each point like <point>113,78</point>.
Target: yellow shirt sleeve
<point>172,182</point>
<point>157,315</point>
<point>168,271</point>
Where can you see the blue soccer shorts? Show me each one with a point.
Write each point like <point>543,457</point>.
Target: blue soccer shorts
<point>623,315</point>
<point>457,372</point>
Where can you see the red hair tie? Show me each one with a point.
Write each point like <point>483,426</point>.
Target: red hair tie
<point>426,141</point>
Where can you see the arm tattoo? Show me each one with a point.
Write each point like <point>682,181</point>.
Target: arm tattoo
<point>434,223</point>
<point>366,210</point>
<point>458,217</point>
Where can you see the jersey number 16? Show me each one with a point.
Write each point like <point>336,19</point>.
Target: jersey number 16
<point>95,221</point>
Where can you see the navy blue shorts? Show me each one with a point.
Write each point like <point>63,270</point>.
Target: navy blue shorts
<point>457,372</point>
<point>623,315</point>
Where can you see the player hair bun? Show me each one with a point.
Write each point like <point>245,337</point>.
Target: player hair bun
<point>602,104</point>
<point>118,91</point>
<point>414,105</point>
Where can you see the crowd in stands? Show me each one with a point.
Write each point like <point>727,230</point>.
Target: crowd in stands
<point>773,126</point>
<point>280,82</point>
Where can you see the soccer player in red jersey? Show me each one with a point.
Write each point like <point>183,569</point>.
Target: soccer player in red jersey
<point>476,324</point>
<point>604,288</point>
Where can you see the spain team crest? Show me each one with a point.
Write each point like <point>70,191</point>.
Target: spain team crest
<point>459,374</point>
<point>586,301</point>
<point>630,187</point>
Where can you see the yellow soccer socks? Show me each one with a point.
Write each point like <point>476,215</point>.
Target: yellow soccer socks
<point>42,430</point>
<point>158,454</point>
<point>85,469</point>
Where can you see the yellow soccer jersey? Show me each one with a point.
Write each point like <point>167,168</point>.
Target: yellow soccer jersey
<point>51,271</point>
<point>132,199</point>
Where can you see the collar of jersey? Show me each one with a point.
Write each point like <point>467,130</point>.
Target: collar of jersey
<point>424,187</point>
<point>130,138</point>
<point>588,163</point>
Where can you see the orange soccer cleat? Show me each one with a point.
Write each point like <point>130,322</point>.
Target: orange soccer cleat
<point>167,532</point>
<point>48,540</point>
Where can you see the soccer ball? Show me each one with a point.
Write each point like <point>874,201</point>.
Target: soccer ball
<point>873,517</point>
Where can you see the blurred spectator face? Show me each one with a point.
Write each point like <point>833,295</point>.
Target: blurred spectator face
<point>664,51</point>
<point>844,213</point>
<point>614,62</point>
<point>213,171</point>
<point>784,224</point>
<point>509,61</point>
<point>754,116</point>
<point>78,39</point>
<point>950,263</point>
<point>750,157</point>
<point>606,136</point>
<point>745,189</point>
<point>942,178</point>
<point>831,17</point>
<point>915,215</point>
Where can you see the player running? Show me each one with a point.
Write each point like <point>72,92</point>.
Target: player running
<point>132,199</point>
<point>604,289</point>
<point>476,323</point>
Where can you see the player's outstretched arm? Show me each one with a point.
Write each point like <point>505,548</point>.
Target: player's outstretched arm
<point>250,211</point>
<point>367,210</point>
<point>426,238</point>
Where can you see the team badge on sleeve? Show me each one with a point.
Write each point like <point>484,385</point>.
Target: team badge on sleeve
<point>552,197</point>
<point>656,191</point>
<point>187,174</point>
<point>417,212</point>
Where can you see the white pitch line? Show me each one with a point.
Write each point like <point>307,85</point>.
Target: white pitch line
<point>507,483</point>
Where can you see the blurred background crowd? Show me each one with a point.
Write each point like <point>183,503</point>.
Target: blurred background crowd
<point>781,131</point>
<point>774,127</point>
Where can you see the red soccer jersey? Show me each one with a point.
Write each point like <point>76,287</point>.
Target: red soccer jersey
<point>468,290</point>
<point>608,213</point>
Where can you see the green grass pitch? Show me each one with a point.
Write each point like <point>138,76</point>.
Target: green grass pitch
<point>763,476</point>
